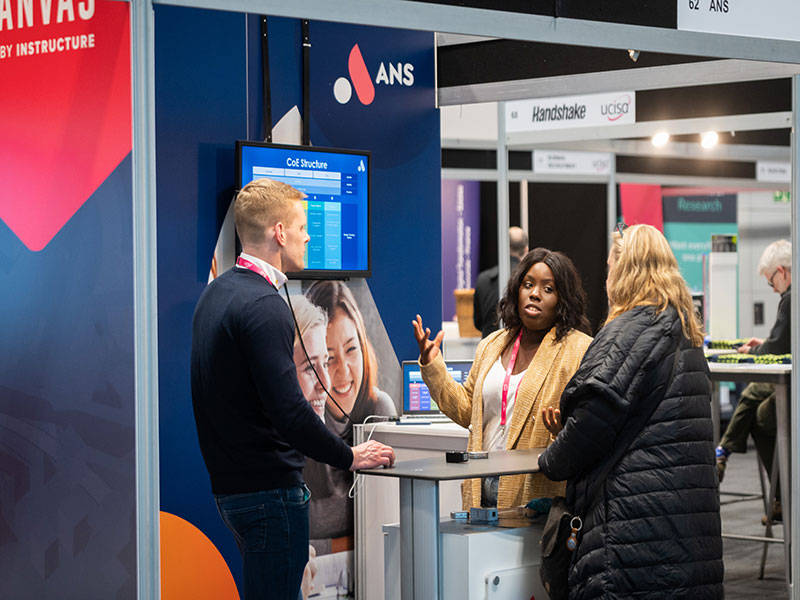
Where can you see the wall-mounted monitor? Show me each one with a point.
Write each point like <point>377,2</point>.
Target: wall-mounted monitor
<point>337,187</point>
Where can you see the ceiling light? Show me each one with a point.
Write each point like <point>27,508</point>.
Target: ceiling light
<point>709,139</point>
<point>660,139</point>
<point>633,54</point>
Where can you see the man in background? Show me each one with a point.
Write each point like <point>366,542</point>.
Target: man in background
<point>254,425</point>
<point>487,294</point>
<point>755,413</point>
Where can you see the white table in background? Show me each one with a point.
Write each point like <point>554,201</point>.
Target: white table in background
<point>779,375</point>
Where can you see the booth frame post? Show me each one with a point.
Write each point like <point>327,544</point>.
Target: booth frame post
<point>783,462</point>
<point>794,400</point>
<point>145,299</point>
<point>503,256</point>
<point>611,199</point>
<point>512,25</point>
<point>524,202</point>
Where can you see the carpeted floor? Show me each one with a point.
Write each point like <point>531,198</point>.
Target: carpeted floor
<point>743,558</point>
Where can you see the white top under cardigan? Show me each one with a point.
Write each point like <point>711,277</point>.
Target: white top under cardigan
<point>494,436</point>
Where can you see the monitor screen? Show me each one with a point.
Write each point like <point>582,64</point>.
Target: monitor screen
<point>416,396</point>
<point>337,188</point>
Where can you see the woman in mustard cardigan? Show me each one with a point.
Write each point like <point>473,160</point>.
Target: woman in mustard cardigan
<point>517,372</point>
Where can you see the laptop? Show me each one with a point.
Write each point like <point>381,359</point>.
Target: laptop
<point>417,402</point>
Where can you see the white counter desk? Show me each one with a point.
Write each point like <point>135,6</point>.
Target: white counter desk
<point>377,499</point>
<point>421,558</point>
<point>780,376</point>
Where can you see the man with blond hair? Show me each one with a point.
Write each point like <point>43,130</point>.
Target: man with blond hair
<point>254,425</point>
<point>755,412</point>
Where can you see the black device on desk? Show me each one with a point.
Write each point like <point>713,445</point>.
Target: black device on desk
<point>455,456</point>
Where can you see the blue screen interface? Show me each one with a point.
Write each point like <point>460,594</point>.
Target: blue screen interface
<point>417,396</point>
<point>336,185</point>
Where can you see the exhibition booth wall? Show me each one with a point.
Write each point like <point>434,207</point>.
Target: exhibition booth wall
<point>209,94</point>
<point>67,395</point>
<point>68,485</point>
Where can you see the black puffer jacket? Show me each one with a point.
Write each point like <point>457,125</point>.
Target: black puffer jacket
<point>653,530</point>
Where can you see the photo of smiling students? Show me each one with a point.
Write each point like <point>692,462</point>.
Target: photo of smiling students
<point>351,375</point>
<point>352,363</point>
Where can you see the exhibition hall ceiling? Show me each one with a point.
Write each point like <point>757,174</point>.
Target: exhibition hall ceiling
<point>653,13</point>
<point>482,67</point>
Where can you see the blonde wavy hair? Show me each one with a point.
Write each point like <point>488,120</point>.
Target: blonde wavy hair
<point>645,273</point>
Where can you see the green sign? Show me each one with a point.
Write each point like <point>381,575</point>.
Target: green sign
<point>783,197</point>
<point>689,223</point>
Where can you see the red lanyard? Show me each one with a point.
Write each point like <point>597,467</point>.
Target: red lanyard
<point>243,262</point>
<point>507,379</point>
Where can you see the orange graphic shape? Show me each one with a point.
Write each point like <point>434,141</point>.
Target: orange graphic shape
<point>362,82</point>
<point>191,566</point>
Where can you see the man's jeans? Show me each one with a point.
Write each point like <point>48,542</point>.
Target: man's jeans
<point>271,530</point>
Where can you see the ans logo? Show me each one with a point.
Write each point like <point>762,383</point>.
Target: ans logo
<point>396,73</point>
<point>617,108</point>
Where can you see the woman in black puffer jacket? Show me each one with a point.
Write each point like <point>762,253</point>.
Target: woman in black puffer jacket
<point>653,529</point>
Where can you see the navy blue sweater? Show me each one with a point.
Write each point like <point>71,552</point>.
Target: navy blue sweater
<point>253,422</point>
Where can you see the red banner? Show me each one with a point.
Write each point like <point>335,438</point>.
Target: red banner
<point>641,204</point>
<point>65,108</point>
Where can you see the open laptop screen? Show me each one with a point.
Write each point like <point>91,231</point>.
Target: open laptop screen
<point>416,396</point>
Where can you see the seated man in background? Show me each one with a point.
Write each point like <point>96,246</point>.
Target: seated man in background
<point>487,290</point>
<point>755,412</point>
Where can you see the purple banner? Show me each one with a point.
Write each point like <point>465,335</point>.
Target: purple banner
<point>460,240</point>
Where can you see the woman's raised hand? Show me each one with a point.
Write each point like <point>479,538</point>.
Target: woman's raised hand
<point>551,417</point>
<point>428,349</point>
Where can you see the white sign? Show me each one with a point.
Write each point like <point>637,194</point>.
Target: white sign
<point>574,163</point>
<point>773,172</point>
<point>772,20</point>
<point>571,111</point>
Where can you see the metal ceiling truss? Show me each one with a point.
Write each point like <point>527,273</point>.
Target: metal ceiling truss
<point>650,78</point>
<point>424,16</point>
<point>776,120</point>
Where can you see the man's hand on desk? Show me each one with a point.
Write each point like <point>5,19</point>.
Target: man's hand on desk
<point>372,454</point>
<point>749,345</point>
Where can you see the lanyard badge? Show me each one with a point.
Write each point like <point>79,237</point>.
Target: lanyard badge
<point>507,379</point>
<point>243,262</point>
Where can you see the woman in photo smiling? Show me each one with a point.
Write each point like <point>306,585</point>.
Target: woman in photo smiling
<point>352,365</point>
<point>311,325</point>
<point>350,373</point>
<point>544,337</point>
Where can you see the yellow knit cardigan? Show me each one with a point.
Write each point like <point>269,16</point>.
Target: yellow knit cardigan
<point>541,386</point>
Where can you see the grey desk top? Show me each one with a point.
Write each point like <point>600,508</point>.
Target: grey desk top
<point>437,469</point>
<point>746,372</point>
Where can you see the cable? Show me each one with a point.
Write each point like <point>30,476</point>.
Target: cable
<point>357,477</point>
<point>304,28</point>
<point>308,358</point>
<point>266,87</point>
